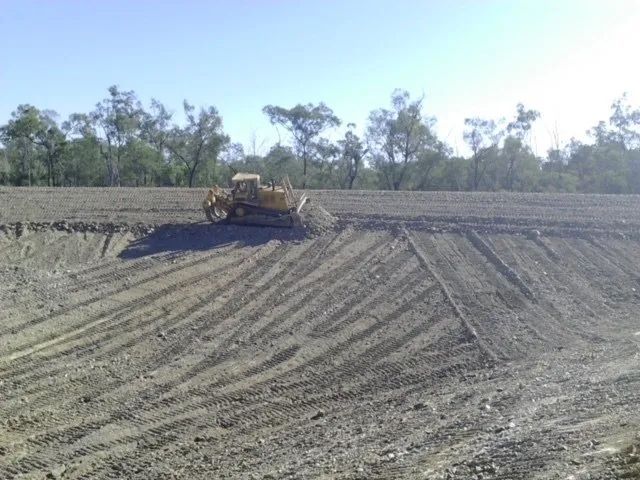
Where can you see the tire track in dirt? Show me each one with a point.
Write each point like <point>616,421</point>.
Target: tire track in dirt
<point>240,376</point>
<point>348,310</point>
<point>261,271</point>
<point>470,330</point>
<point>286,411</point>
<point>93,300</point>
<point>613,260</point>
<point>375,352</point>
<point>124,309</point>
<point>265,262</point>
<point>346,346</point>
<point>345,273</point>
<point>140,267</point>
<point>286,285</point>
<point>99,277</point>
<point>397,312</point>
<point>544,244</point>
<point>589,287</point>
<point>80,381</point>
<point>509,273</point>
<point>483,294</point>
<point>212,271</point>
<point>68,435</point>
<point>563,297</point>
<point>331,241</point>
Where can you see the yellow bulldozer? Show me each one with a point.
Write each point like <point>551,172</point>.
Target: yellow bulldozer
<point>250,203</point>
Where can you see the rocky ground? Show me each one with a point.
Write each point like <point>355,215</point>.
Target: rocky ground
<point>400,335</point>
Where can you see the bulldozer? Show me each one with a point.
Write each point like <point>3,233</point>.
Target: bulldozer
<point>250,203</point>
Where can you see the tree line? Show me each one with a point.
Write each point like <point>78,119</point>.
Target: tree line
<point>122,143</point>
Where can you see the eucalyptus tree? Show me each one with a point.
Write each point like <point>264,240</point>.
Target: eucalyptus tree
<point>38,133</point>
<point>117,121</point>
<point>518,132</point>
<point>397,136</point>
<point>155,128</point>
<point>483,137</point>
<point>353,152</point>
<point>199,142</point>
<point>625,123</point>
<point>305,123</point>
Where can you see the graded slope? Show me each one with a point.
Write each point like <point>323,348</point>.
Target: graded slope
<point>384,349</point>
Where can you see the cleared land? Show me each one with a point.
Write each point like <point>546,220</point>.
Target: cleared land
<point>428,335</point>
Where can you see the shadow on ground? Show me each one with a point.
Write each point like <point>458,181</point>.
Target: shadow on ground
<point>204,236</point>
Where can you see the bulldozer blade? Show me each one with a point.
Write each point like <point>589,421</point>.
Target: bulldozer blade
<point>208,211</point>
<point>296,219</point>
<point>301,201</point>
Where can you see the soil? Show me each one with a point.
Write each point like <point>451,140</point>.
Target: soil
<point>399,335</point>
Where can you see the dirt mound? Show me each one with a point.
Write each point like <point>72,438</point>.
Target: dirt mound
<point>316,219</point>
<point>53,249</point>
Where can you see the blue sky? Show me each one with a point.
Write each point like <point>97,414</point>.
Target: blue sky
<point>569,59</point>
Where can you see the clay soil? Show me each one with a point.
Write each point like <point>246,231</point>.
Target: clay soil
<point>416,335</point>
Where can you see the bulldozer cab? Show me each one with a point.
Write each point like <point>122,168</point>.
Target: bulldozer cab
<point>245,187</point>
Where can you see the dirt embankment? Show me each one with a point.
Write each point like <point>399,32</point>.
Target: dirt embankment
<point>378,344</point>
<point>159,206</point>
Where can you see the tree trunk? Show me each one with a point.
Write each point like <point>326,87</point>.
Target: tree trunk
<point>476,165</point>
<point>353,174</point>
<point>510,171</point>
<point>304,166</point>
<point>304,172</point>
<point>49,170</point>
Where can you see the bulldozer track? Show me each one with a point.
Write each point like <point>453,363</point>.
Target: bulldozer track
<point>499,264</point>
<point>346,271</point>
<point>267,263</point>
<point>469,328</point>
<point>395,313</point>
<point>284,411</point>
<point>135,304</point>
<point>259,272</point>
<point>96,299</point>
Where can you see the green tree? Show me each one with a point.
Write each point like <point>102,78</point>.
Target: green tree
<point>518,130</point>
<point>199,142</point>
<point>83,164</point>
<point>39,128</point>
<point>305,123</point>
<point>523,170</point>
<point>427,162</point>
<point>353,152</point>
<point>117,122</point>
<point>5,167</point>
<point>327,164</point>
<point>396,137</point>
<point>452,174</point>
<point>483,137</point>
<point>281,161</point>
<point>625,123</point>
<point>155,129</point>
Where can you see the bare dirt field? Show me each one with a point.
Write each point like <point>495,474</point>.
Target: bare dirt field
<point>421,335</point>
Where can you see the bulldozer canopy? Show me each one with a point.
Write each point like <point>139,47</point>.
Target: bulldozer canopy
<point>243,177</point>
